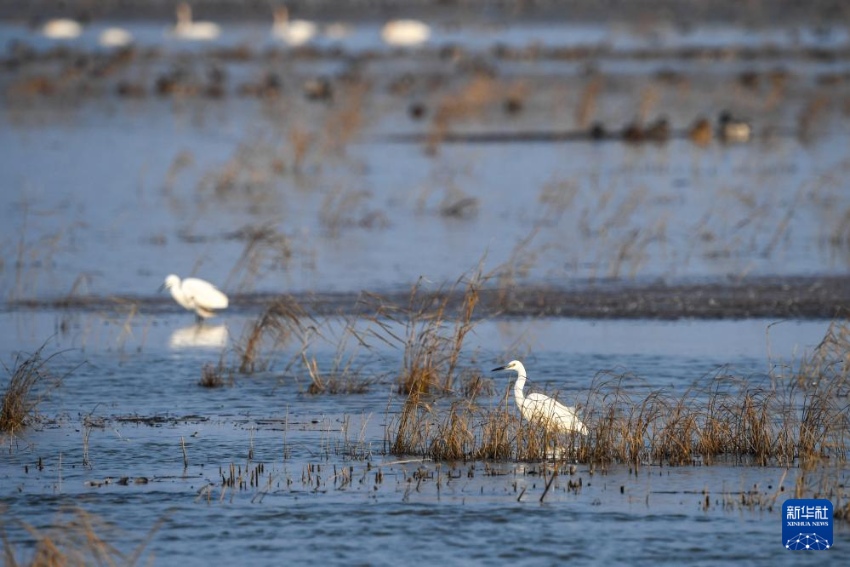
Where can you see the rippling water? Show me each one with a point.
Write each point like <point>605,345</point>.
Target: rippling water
<point>130,402</point>
<point>105,196</point>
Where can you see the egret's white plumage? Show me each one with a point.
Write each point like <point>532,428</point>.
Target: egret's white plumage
<point>405,33</point>
<point>61,28</point>
<point>196,295</point>
<point>186,28</point>
<point>293,32</point>
<point>541,408</point>
<point>115,37</point>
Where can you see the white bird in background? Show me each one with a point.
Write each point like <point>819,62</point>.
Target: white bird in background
<point>293,32</point>
<point>61,28</point>
<point>195,31</point>
<point>405,33</point>
<point>196,295</point>
<point>115,37</point>
<point>541,408</point>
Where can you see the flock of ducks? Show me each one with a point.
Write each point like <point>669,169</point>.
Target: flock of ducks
<point>294,32</point>
<point>728,129</point>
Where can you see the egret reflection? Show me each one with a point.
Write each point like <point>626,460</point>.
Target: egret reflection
<point>199,336</point>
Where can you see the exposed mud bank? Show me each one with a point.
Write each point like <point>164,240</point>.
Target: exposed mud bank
<point>795,297</point>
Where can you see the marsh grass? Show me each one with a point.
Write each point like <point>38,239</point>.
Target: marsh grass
<point>768,420</point>
<point>248,176</point>
<point>30,381</point>
<point>345,121</point>
<point>277,325</point>
<point>433,339</point>
<point>344,375</point>
<point>468,102</point>
<point>213,376</point>
<point>265,250</point>
<point>346,208</point>
<point>588,101</point>
<point>77,537</point>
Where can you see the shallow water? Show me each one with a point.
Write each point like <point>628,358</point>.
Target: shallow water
<point>104,196</point>
<point>131,399</point>
<point>185,176</point>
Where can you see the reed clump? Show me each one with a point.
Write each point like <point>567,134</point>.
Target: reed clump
<point>346,372</point>
<point>248,176</point>
<point>433,338</point>
<point>281,320</point>
<point>30,380</point>
<point>212,376</point>
<point>265,250</point>
<point>77,537</point>
<point>800,419</point>
<point>468,102</point>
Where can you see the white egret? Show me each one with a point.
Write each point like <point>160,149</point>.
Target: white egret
<point>191,30</point>
<point>405,33</point>
<point>293,32</point>
<point>115,37</point>
<point>196,295</point>
<point>62,28</point>
<point>541,408</point>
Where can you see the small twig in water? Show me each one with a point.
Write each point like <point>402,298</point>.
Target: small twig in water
<point>549,483</point>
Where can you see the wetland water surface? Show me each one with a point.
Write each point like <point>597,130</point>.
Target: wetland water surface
<point>110,440</point>
<point>234,162</point>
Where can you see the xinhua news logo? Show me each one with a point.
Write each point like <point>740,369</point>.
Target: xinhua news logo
<point>807,524</point>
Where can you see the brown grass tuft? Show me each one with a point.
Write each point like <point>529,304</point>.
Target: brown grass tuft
<point>29,382</point>
<point>775,420</point>
<point>212,376</point>
<point>77,538</point>
<point>274,328</point>
<point>432,341</point>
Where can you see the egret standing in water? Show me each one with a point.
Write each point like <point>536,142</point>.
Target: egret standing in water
<point>186,28</point>
<point>196,295</point>
<point>405,33</point>
<point>541,408</point>
<point>293,32</point>
<point>62,28</point>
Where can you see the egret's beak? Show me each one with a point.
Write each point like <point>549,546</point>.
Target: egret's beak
<point>162,287</point>
<point>499,368</point>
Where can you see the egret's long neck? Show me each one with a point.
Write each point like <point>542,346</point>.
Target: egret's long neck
<point>519,386</point>
<point>184,15</point>
<point>179,296</point>
<point>281,17</point>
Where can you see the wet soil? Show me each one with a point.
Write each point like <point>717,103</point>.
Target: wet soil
<point>787,297</point>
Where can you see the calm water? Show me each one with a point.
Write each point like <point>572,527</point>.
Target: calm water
<point>105,196</point>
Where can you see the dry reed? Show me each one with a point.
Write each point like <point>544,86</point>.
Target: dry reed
<point>344,375</point>
<point>77,537</point>
<point>432,341</point>
<point>274,328</point>
<point>772,420</point>
<point>29,382</point>
<point>212,376</point>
